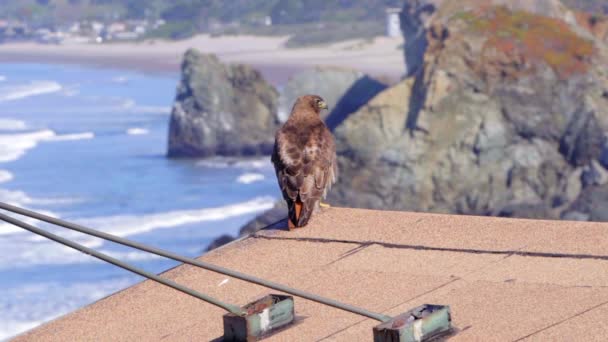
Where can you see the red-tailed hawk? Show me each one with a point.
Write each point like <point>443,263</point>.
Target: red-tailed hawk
<point>304,158</point>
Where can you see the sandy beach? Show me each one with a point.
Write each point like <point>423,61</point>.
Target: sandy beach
<point>381,57</point>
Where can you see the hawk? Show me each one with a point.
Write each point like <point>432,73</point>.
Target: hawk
<point>304,158</point>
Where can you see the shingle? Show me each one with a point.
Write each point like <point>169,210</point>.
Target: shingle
<point>503,278</point>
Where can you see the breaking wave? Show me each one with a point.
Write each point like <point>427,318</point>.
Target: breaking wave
<point>129,105</point>
<point>12,125</point>
<point>16,92</point>
<point>248,178</point>
<point>74,136</point>
<point>5,176</point>
<point>14,146</point>
<point>126,225</point>
<point>223,162</point>
<point>137,131</point>
<point>26,307</point>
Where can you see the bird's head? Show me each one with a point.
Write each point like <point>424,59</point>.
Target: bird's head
<point>312,101</point>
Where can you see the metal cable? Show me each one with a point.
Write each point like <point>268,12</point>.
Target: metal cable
<point>86,250</point>
<point>235,274</point>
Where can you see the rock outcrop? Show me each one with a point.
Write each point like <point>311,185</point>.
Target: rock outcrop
<point>504,111</point>
<point>503,114</point>
<point>344,90</point>
<point>219,109</point>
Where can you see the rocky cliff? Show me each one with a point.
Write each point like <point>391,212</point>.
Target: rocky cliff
<point>221,110</point>
<point>504,113</point>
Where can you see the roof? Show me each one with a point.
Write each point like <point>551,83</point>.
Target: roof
<point>505,279</point>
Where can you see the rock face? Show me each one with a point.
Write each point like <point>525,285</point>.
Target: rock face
<point>227,110</point>
<point>504,113</point>
<point>344,90</point>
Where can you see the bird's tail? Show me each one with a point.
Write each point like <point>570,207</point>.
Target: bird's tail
<point>299,214</point>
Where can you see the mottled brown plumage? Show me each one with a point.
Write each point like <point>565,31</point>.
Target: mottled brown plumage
<point>304,158</point>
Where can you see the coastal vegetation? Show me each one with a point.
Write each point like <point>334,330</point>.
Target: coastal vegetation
<point>524,35</point>
<point>308,22</point>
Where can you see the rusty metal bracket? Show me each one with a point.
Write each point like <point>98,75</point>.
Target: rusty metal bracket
<point>424,323</point>
<point>261,318</point>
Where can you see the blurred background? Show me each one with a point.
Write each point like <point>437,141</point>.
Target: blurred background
<point>154,120</point>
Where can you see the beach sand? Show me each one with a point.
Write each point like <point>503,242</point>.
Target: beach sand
<point>382,57</point>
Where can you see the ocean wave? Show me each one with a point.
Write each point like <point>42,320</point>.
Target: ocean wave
<point>248,178</point>
<point>25,307</point>
<point>14,146</point>
<point>5,176</point>
<point>10,328</point>
<point>131,106</point>
<point>137,131</point>
<point>139,109</point>
<point>20,198</point>
<point>16,92</point>
<point>73,136</point>
<point>15,197</point>
<point>12,125</point>
<point>22,249</point>
<point>126,225</point>
<point>242,163</point>
<point>9,229</point>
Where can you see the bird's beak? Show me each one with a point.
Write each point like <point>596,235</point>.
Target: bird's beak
<point>323,105</point>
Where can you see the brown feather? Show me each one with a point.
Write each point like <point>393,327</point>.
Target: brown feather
<point>304,157</point>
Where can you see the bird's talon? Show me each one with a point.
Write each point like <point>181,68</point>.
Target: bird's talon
<point>324,205</point>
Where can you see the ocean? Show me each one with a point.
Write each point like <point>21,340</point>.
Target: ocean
<point>88,145</point>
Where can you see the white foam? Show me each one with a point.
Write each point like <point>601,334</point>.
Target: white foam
<point>22,249</point>
<point>248,178</point>
<point>21,91</point>
<point>27,306</point>
<point>137,131</point>
<point>226,162</point>
<point>129,105</point>
<point>14,146</point>
<point>126,225</point>
<point>20,198</point>
<point>8,229</point>
<point>74,136</point>
<point>10,328</point>
<point>5,176</point>
<point>12,125</point>
<point>15,197</point>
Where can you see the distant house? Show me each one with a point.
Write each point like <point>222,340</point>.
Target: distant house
<point>116,27</point>
<point>97,27</point>
<point>46,36</point>
<point>393,23</point>
<point>12,31</point>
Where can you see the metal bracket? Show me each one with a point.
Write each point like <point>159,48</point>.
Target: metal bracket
<point>424,323</point>
<point>261,318</point>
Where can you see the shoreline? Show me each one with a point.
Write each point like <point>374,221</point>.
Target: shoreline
<point>381,57</point>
